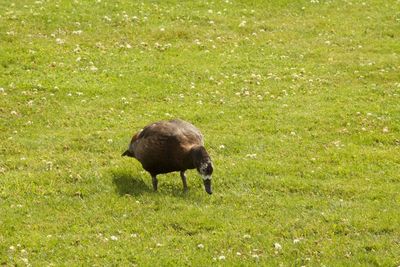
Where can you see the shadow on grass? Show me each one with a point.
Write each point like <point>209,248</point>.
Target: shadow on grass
<point>127,184</point>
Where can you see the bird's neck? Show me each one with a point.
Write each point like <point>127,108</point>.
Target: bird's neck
<point>198,156</point>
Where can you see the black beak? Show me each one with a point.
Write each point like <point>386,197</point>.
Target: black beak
<point>207,186</point>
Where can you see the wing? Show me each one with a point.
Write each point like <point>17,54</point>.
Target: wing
<point>187,132</point>
<point>184,132</point>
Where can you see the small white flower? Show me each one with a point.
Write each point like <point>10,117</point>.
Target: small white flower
<point>243,23</point>
<point>162,29</point>
<point>296,240</point>
<point>113,238</point>
<point>110,141</point>
<point>49,165</point>
<point>60,41</point>
<point>77,49</point>
<point>12,248</point>
<point>336,143</point>
<point>221,258</point>
<point>134,235</point>
<point>247,236</point>
<point>238,253</point>
<point>200,246</point>
<point>221,147</point>
<point>277,246</point>
<point>78,32</point>
<point>252,156</point>
<point>159,245</point>
<point>14,112</point>
<point>93,68</point>
<point>385,130</point>
<point>255,256</point>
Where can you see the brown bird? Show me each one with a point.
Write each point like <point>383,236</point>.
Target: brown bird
<point>169,146</point>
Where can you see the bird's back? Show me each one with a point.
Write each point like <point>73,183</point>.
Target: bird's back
<point>164,146</point>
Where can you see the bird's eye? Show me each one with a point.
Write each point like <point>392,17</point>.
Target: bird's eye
<point>209,169</point>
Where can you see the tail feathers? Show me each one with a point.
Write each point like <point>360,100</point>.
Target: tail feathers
<point>128,153</point>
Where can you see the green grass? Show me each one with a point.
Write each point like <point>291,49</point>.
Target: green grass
<point>298,102</point>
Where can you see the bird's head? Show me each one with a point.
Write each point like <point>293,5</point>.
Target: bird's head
<point>204,166</point>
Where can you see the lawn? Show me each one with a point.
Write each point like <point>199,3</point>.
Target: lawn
<point>299,103</point>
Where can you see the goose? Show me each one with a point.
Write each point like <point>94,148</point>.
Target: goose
<point>169,146</point>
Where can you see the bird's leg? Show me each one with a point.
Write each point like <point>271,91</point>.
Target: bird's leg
<point>183,176</point>
<point>155,181</point>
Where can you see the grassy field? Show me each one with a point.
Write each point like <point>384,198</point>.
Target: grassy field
<point>299,103</point>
